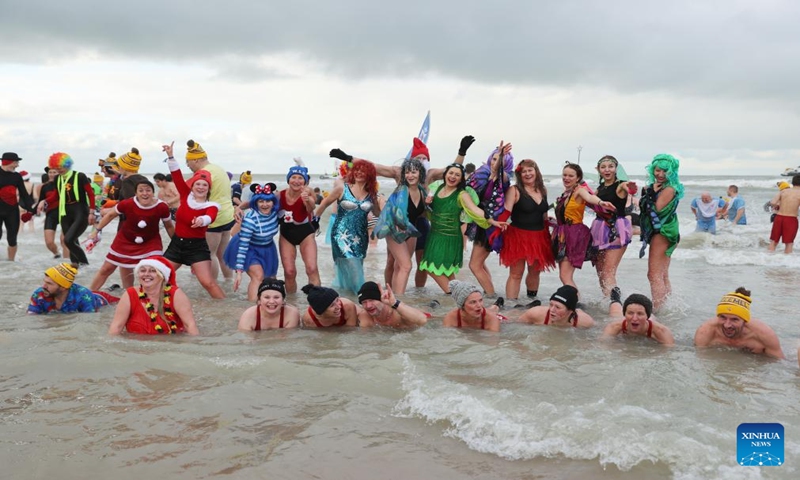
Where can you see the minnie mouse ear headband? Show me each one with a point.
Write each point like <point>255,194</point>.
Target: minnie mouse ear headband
<point>266,189</point>
<point>268,192</point>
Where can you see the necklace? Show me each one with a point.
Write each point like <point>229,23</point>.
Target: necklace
<point>168,313</point>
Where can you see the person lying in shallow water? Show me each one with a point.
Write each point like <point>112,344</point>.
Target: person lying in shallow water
<point>733,327</point>
<point>470,312</point>
<point>327,309</point>
<point>562,311</point>
<point>271,310</point>
<point>381,307</point>
<point>634,318</point>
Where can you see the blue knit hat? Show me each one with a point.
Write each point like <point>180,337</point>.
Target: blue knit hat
<point>297,170</point>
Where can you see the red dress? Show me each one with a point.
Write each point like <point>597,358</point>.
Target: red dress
<point>139,236</point>
<point>139,320</point>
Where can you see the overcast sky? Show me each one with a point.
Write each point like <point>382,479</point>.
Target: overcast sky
<point>257,82</point>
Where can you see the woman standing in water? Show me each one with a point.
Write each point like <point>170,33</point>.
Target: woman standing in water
<point>527,238</point>
<point>659,223</point>
<point>571,237</point>
<point>611,230</point>
<point>356,197</point>
<point>444,250</point>
<point>297,203</point>
<point>490,181</point>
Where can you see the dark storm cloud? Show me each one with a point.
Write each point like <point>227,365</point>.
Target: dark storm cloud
<point>721,48</point>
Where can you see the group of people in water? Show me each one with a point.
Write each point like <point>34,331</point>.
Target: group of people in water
<point>426,213</point>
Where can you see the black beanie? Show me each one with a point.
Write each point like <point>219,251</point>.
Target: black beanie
<point>369,291</point>
<point>320,298</point>
<point>638,299</point>
<point>568,295</point>
<point>272,284</point>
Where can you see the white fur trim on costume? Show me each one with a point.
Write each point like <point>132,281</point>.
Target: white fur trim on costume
<point>206,220</point>
<point>173,165</point>
<point>195,205</point>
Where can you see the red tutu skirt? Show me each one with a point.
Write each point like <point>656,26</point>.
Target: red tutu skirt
<point>533,246</point>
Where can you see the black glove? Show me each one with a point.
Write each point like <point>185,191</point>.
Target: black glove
<point>337,153</point>
<point>466,142</point>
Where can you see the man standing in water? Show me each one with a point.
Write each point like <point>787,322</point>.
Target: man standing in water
<point>734,210</point>
<point>787,201</point>
<point>705,210</point>
<point>734,328</point>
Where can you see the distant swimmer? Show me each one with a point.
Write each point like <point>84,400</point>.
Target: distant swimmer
<point>470,312</point>
<point>327,309</point>
<point>271,310</point>
<point>381,307</point>
<point>60,293</point>
<point>705,210</point>
<point>733,327</point>
<point>562,311</point>
<point>636,320</point>
<point>784,228</point>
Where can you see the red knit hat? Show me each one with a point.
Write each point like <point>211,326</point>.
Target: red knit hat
<point>161,264</point>
<point>200,175</point>
<point>419,148</point>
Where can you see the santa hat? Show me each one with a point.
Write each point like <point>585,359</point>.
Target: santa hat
<point>419,148</point>
<point>161,264</point>
<point>200,175</point>
<point>25,175</point>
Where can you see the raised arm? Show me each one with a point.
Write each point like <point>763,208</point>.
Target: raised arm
<point>434,174</point>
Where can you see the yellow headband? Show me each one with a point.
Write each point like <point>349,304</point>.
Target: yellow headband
<point>63,274</point>
<point>735,304</point>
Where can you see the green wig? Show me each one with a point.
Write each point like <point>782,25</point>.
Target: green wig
<point>670,165</point>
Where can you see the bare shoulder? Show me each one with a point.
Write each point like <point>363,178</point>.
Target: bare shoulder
<point>613,328</point>
<point>704,334</point>
<point>534,315</point>
<point>449,319</point>
<point>291,316</point>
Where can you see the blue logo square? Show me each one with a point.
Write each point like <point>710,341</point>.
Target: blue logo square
<point>759,445</point>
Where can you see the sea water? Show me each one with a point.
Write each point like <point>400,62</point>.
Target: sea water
<point>528,402</point>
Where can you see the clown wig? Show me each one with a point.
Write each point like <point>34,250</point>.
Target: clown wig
<point>60,160</point>
<point>669,165</point>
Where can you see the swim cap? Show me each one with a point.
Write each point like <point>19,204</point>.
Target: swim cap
<point>638,299</point>
<point>783,185</point>
<point>735,303</point>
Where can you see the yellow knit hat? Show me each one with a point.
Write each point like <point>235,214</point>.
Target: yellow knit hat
<point>98,178</point>
<point>783,185</point>
<point>63,274</point>
<point>195,151</point>
<point>245,178</point>
<point>735,304</point>
<point>129,162</point>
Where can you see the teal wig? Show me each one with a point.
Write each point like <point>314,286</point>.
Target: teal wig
<point>670,165</point>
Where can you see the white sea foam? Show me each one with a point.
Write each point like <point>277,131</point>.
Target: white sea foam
<point>620,435</point>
